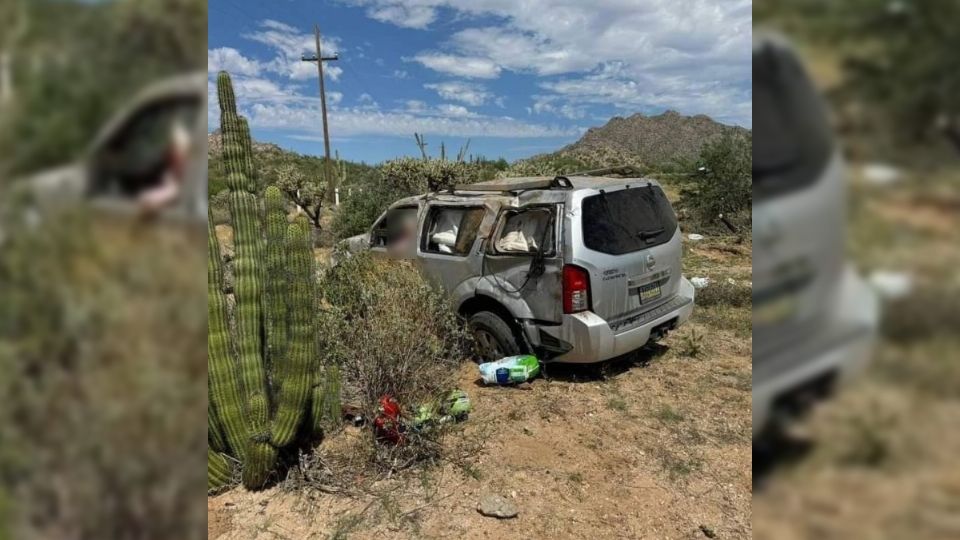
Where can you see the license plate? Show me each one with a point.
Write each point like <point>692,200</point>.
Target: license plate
<point>649,292</point>
<point>775,311</point>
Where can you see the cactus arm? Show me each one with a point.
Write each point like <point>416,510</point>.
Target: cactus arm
<point>275,291</point>
<point>296,374</point>
<point>224,386</point>
<point>219,471</point>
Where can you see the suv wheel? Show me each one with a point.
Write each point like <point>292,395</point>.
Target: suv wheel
<point>494,337</point>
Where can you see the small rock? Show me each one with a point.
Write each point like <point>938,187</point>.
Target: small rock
<point>707,531</point>
<point>527,431</point>
<point>525,386</point>
<point>496,506</point>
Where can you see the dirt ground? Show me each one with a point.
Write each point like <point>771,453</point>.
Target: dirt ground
<point>654,445</point>
<point>879,461</point>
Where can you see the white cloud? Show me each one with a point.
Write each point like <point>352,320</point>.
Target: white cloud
<point>698,50</point>
<point>461,66</point>
<point>230,60</point>
<point>469,93</point>
<point>404,15</point>
<point>288,45</point>
<point>448,121</point>
<point>459,111</point>
<point>400,74</point>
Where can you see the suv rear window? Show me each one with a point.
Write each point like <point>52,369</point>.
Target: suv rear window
<point>793,141</point>
<point>627,220</point>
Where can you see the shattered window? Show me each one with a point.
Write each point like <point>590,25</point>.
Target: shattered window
<point>452,230</point>
<point>526,231</point>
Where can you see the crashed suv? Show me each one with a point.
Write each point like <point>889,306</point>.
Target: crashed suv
<point>579,269</point>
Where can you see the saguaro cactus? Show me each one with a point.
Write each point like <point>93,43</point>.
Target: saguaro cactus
<point>260,386</point>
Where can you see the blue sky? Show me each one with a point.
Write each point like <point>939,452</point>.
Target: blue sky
<point>516,77</point>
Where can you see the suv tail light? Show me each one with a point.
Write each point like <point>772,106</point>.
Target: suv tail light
<point>576,289</point>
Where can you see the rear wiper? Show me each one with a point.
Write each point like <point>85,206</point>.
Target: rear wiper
<point>647,236</point>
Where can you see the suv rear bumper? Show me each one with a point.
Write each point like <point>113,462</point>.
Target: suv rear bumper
<point>593,340</point>
<point>793,378</point>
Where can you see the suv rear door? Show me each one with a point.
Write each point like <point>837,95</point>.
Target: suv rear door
<point>523,236</point>
<point>447,251</point>
<point>627,239</point>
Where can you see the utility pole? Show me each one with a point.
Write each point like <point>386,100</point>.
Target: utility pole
<point>320,59</point>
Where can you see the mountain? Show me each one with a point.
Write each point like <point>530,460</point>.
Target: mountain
<point>645,141</point>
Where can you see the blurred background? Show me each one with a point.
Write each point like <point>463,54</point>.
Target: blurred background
<point>102,275</point>
<point>856,280</point>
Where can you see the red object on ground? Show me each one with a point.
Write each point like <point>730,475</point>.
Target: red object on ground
<point>387,425</point>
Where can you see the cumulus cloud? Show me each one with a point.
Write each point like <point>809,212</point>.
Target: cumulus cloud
<point>359,121</point>
<point>470,93</point>
<point>461,66</point>
<point>404,15</point>
<point>696,49</point>
<point>230,60</point>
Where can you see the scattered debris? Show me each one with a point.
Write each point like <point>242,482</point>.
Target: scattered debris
<point>891,285</point>
<point>695,237</point>
<point>387,424</point>
<point>707,531</point>
<point>700,282</point>
<point>881,174</point>
<point>512,369</point>
<point>497,506</point>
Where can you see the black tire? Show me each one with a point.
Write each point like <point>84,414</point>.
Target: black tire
<point>494,337</point>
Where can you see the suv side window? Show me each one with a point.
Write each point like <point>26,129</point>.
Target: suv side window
<point>525,232</point>
<point>451,230</point>
<point>395,227</point>
<point>136,157</point>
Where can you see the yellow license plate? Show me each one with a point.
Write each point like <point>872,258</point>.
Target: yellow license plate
<point>775,311</point>
<point>649,292</point>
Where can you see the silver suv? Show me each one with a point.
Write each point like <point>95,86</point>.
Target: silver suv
<point>814,318</point>
<point>578,269</point>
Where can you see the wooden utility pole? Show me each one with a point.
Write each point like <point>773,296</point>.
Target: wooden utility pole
<point>320,59</point>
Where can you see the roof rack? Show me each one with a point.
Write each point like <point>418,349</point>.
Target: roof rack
<point>557,182</point>
<point>619,170</point>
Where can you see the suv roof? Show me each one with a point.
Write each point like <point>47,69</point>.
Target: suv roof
<point>522,190</point>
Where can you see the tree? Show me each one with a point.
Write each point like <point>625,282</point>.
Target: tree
<point>305,191</point>
<point>724,183</point>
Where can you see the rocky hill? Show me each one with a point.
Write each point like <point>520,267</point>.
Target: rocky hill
<point>215,145</point>
<point>645,141</point>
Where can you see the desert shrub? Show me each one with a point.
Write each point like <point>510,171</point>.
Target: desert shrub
<point>101,349</point>
<point>392,334</point>
<point>357,213</point>
<point>725,187</point>
<point>924,315</point>
<point>723,292</point>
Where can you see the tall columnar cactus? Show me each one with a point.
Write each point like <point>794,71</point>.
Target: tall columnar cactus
<point>261,386</point>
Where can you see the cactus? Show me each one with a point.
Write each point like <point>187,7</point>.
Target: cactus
<point>219,471</point>
<point>260,389</point>
<point>295,373</point>
<point>225,391</point>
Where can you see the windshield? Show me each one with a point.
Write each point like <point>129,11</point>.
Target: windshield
<point>627,220</point>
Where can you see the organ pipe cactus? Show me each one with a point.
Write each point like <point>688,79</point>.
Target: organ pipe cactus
<point>261,386</point>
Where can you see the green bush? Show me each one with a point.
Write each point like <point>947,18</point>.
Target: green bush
<point>725,187</point>
<point>382,346</point>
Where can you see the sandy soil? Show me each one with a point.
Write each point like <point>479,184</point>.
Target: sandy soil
<point>656,445</point>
